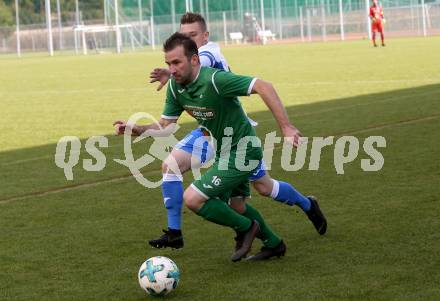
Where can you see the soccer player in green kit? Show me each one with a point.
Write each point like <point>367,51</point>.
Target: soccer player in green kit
<point>210,96</point>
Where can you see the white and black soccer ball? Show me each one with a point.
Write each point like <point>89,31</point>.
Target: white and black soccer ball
<point>158,276</point>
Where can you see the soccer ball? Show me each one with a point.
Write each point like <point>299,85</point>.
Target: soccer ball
<point>158,276</point>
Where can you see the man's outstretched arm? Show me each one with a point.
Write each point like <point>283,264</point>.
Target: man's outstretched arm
<point>163,128</point>
<point>273,102</point>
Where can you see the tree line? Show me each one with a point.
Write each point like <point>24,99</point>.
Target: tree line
<point>33,11</point>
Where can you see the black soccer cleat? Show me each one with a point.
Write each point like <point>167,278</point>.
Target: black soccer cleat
<point>244,241</point>
<point>171,239</point>
<point>316,216</point>
<point>267,253</point>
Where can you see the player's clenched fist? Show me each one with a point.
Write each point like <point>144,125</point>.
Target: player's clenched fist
<point>292,135</point>
<point>121,125</point>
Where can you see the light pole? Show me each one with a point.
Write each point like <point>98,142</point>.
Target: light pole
<point>49,28</point>
<point>17,30</point>
<point>60,29</point>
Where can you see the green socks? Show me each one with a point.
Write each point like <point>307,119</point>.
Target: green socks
<point>217,211</point>
<point>269,238</point>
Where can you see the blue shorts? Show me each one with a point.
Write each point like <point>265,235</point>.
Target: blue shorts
<point>198,145</point>
<point>259,172</point>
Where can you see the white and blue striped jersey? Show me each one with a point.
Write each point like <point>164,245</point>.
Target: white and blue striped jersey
<point>211,56</point>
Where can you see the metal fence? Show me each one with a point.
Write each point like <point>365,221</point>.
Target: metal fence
<point>127,28</point>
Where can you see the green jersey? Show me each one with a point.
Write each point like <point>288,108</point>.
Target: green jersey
<point>212,99</point>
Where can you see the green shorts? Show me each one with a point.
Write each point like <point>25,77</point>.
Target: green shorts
<point>223,184</point>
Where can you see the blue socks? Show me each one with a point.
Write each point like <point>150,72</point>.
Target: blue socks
<point>285,193</point>
<point>172,191</point>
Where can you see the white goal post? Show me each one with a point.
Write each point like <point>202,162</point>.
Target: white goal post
<point>84,30</point>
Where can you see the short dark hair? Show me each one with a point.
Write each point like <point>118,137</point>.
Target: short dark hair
<point>178,39</point>
<point>189,18</point>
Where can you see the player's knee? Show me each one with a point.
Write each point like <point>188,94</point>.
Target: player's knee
<point>176,164</point>
<point>192,205</point>
<point>164,168</point>
<point>172,168</point>
<point>262,188</point>
<point>192,201</point>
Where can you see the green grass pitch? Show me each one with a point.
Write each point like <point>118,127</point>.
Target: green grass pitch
<point>85,239</point>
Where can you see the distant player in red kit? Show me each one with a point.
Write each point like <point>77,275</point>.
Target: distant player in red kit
<point>377,20</point>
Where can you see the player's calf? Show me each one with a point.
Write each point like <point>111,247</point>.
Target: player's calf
<point>244,240</point>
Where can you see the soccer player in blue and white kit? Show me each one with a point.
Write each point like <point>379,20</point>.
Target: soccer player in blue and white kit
<point>194,26</point>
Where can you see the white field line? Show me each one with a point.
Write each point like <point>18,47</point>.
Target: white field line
<point>388,125</point>
<point>343,107</point>
<point>71,187</point>
<point>362,82</point>
<point>298,84</point>
<point>122,178</point>
<point>259,121</point>
<point>25,160</point>
<point>73,91</point>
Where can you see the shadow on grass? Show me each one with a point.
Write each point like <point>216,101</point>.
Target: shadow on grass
<point>30,172</point>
